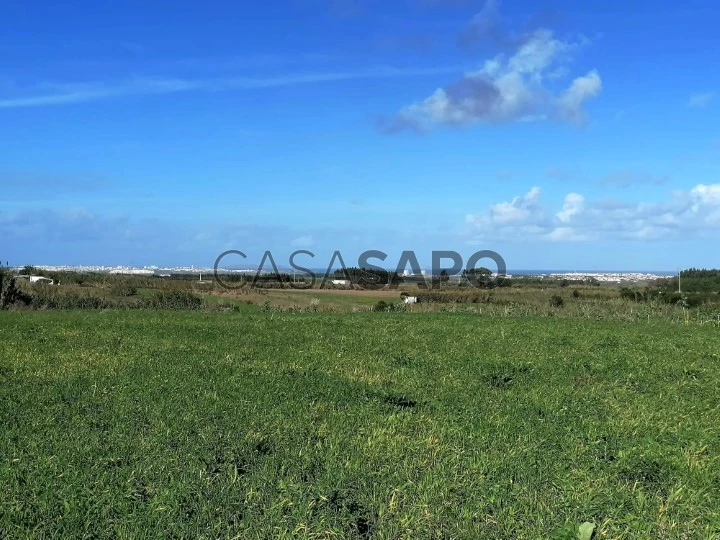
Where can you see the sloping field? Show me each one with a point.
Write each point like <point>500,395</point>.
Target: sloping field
<point>383,425</point>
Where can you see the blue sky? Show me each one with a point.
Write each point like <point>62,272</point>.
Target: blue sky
<point>560,134</point>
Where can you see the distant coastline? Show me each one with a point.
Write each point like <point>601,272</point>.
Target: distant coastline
<point>607,276</point>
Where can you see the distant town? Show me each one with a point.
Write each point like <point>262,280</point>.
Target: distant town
<point>167,271</point>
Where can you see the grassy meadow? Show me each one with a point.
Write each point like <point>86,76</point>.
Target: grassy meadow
<point>277,424</point>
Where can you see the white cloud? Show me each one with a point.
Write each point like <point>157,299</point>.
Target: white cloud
<point>521,211</point>
<point>574,204</point>
<point>564,234</point>
<point>506,89</point>
<point>583,88</point>
<point>682,214</point>
<point>303,241</point>
<point>707,194</point>
<point>537,54</point>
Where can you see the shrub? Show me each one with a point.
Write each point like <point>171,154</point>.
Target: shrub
<point>556,301</point>
<point>123,290</point>
<point>49,297</point>
<point>174,300</point>
<point>43,298</point>
<point>576,293</point>
<point>633,294</point>
<point>470,296</point>
<point>9,293</point>
<point>29,270</point>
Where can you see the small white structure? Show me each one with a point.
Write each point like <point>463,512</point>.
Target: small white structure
<point>132,271</point>
<point>41,279</point>
<point>410,299</point>
<point>341,282</point>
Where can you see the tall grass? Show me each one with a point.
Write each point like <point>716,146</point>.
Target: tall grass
<point>41,296</point>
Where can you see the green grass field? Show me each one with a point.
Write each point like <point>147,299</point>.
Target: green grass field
<point>370,425</point>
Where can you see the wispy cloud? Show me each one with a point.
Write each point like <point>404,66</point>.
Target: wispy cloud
<point>25,186</point>
<point>700,100</point>
<point>67,93</point>
<point>622,178</point>
<point>627,178</point>
<point>486,27</point>
<point>303,241</point>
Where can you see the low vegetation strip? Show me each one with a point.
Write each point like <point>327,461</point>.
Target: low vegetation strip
<point>392,425</point>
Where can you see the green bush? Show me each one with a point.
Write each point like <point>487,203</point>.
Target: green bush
<point>9,292</point>
<point>471,296</point>
<point>557,301</point>
<point>385,306</point>
<point>685,299</point>
<point>55,298</point>
<point>29,270</point>
<point>123,290</point>
<point>46,299</point>
<point>174,300</point>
